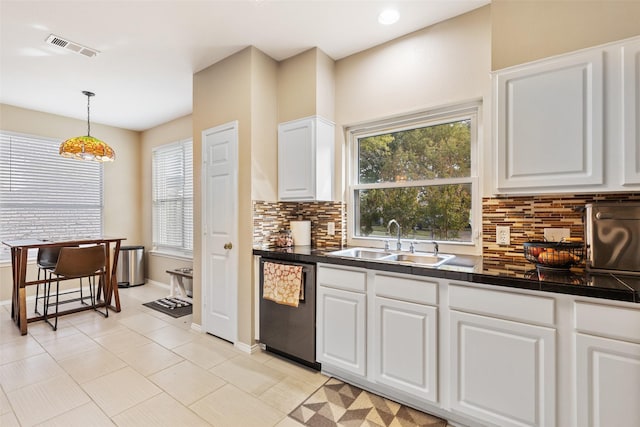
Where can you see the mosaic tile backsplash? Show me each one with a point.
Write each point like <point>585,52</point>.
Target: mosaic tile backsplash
<point>529,216</point>
<point>270,217</point>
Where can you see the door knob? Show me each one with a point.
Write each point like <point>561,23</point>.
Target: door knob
<point>228,245</point>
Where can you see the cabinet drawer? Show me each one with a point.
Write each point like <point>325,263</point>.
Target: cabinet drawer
<point>523,308</point>
<point>342,278</point>
<point>608,321</point>
<point>406,289</point>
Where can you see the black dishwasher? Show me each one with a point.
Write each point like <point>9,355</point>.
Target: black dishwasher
<point>291,331</point>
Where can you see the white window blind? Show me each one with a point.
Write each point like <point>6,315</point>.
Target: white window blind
<point>173,198</point>
<point>44,195</point>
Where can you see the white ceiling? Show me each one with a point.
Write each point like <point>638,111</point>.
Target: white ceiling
<point>149,50</point>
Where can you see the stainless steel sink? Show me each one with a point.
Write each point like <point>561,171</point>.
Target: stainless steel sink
<point>362,253</point>
<point>423,258</point>
<point>418,258</point>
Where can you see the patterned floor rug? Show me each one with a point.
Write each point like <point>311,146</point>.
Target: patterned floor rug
<point>340,404</point>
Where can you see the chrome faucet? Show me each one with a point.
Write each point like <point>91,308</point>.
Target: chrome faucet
<point>399,243</point>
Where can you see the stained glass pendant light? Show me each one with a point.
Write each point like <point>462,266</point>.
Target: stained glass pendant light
<point>87,147</point>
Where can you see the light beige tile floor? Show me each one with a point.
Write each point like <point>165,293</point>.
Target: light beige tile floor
<point>140,367</point>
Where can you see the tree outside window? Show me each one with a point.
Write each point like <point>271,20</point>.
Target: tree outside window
<point>420,176</point>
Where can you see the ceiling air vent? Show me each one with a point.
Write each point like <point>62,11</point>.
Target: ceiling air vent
<point>71,46</point>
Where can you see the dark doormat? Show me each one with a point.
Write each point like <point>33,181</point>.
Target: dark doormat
<point>174,307</point>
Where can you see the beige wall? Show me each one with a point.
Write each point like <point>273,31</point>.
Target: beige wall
<point>122,202</point>
<point>173,131</point>
<point>264,144</point>
<point>527,30</point>
<point>325,85</point>
<point>306,86</point>
<point>297,86</point>
<point>443,64</point>
<point>222,93</point>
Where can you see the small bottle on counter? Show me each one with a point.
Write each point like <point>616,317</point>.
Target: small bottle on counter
<point>284,239</point>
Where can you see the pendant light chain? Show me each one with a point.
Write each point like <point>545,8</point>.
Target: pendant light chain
<point>88,112</point>
<point>89,95</point>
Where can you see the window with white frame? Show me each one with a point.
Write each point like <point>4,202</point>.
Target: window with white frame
<point>44,195</point>
<point>173,198</point>
<point>420,170</point>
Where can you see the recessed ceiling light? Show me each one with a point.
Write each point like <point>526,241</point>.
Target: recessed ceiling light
<point>388,17</point>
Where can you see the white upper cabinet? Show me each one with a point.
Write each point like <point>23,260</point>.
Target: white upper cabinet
<point>631,112</point>
<point>549,123</point>
<point>305,159</point>
<point>569,123</point>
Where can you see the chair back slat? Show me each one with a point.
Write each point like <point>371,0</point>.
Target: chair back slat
<point>80,261</point>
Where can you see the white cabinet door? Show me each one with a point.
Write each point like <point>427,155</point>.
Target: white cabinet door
<point>296,163</point>
<point>305,159</point>
<point>548,124</point>
<point>608,382</point>
<point>630,158</point>
<point>341,329</point>
<point>502,372</point>
<point>405,342</point>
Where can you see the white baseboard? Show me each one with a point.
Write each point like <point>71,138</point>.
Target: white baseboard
<point>161,284</point>
<point>196,327</point>
<point>246,348</point>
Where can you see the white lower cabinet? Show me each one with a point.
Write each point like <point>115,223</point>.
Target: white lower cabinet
<point>394,314</point>
<point>502,357</point>
<point>481,355</point>
<point>341,319</point>
<point>405,336</point>
<point>502,371</point>
<point>608,382</point>
<point>607,365</point>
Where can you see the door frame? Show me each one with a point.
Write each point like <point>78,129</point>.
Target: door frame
<point>233,126</point>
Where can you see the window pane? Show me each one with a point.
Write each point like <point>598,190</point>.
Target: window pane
<point>430,152</point>
<point>173,196</point>
<point>44,195</point>
<point>441,212</point>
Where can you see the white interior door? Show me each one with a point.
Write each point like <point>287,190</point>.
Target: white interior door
<point>220,249</point>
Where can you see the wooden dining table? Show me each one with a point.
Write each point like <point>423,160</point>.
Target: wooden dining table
<point>19,258</point>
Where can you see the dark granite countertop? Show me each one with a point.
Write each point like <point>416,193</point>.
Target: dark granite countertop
<point>490,271</point>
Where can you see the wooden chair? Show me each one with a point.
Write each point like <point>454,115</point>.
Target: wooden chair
<point>76,263</point>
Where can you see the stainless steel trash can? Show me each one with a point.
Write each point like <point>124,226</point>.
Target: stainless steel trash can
<point>130,270</point>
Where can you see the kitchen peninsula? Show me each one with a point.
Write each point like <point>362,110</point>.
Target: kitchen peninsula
<point>479,345</point>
